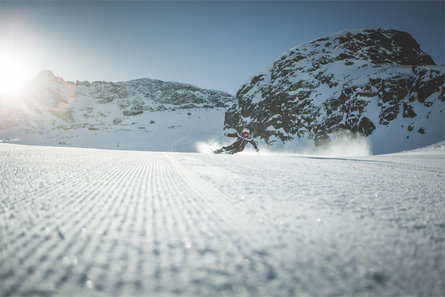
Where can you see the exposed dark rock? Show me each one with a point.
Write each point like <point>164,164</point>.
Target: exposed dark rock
<point>408,111</point>
<point>366,127</point>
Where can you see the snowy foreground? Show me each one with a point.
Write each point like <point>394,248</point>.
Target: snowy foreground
<point>88,222</point>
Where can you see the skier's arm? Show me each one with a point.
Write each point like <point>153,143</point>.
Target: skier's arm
<point>231,135</point>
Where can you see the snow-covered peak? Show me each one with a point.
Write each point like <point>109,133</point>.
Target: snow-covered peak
<point>46,74</point>
<point>376,45</point>
<point>45,79</point>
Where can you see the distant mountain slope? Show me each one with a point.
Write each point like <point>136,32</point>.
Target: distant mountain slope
<point>137,114</point>
<point>373,82</point>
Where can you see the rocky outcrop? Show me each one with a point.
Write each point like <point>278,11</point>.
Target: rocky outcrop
<point>359,81</point>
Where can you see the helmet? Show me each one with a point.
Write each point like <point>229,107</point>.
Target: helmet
<point>246,131</point>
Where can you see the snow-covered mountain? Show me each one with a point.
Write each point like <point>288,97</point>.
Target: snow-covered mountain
<point>138,114</point>
<point>376,83</point>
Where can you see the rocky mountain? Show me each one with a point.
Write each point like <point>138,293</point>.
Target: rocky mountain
<point>375,83</point>
<point>54,111</point>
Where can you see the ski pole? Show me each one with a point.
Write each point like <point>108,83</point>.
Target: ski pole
<point>216,140</point>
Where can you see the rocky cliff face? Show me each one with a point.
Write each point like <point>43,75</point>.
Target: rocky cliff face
<point>374,82</point>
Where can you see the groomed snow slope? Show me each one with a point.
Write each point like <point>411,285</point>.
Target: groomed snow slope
<point>86,222</point>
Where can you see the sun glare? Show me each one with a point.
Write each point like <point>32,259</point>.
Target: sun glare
<point>13,73</point>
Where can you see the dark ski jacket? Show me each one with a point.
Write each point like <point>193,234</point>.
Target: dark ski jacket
<point>240,143</point>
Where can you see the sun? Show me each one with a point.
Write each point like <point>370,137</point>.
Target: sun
<point>13,73</point>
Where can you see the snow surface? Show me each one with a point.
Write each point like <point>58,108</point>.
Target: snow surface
<point>92,222</point>
<point>176,131</point>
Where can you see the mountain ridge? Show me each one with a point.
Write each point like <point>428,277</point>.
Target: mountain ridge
<point>136,114</point>
<point>48,92</point>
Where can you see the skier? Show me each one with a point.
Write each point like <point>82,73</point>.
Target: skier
<point>239,144</point>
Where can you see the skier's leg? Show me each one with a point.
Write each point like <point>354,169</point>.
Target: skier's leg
<point>229,147</point>
<point>236,150</point>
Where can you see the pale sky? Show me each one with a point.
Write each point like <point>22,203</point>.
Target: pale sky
<point>211,44</point>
